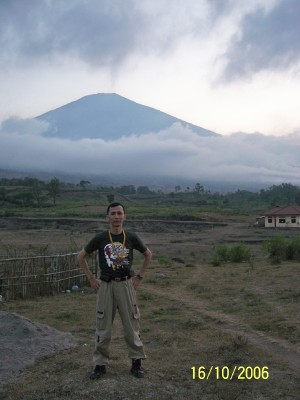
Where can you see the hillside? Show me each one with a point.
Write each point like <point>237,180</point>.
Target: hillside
<point>109,117</point>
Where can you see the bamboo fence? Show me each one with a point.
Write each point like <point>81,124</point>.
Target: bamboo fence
<point>28,277</point>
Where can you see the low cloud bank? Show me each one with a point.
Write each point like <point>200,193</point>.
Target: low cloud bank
<point>176,152</point>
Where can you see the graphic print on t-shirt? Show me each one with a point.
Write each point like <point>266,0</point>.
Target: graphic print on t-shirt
<point>116,255</point>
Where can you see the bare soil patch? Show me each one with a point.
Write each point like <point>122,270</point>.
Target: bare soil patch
<point>23,341</point>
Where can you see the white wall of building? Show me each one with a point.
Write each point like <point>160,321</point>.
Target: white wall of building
<point>289,221</point>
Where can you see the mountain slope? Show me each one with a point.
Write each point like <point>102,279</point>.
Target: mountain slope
<point>109,117</point>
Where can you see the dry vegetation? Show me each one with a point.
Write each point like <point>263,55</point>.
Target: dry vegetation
<point>192,315</point>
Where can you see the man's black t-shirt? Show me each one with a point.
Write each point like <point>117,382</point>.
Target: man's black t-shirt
<point>114,258</point>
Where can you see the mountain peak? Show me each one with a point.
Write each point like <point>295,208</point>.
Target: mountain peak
<point>108,116</point>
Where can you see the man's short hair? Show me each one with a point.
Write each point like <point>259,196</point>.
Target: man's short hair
<point>116,204</point>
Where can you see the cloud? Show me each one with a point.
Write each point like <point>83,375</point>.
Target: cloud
<point>19,126</point>
<point>100,33</point>
<point>224,65</point>
<point>267,39</point>
<point>106,33</point>
<point>176,152</point>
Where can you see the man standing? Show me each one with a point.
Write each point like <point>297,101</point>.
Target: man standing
<point>116,288</point>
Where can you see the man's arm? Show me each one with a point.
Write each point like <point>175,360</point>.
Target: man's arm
<point>82,260</point>
<point>147,260</point>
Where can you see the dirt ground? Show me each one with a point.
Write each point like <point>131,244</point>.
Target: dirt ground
<point>192,241</point>
<point>184,323</point>
<point>23,341</point>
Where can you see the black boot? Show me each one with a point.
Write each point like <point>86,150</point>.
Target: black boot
<point>136,369</point>
<point>98,372</point>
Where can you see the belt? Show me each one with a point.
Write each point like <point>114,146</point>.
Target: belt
<point>107,278</point>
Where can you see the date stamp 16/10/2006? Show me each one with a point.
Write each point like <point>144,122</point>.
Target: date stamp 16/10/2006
<point>229,373</point>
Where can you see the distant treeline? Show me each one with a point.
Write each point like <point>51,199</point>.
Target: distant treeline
<point>32,191</point>
<point>36,192</point>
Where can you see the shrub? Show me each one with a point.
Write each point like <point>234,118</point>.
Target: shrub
<point>276,248</point>
<point>221,255</point>
<point>293,249</point>
<point>165,260</point>
<point>239,253</point>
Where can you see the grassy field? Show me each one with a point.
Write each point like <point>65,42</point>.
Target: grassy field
<point>194,316</point>
<point>92,204</point>
<point>239,321</point>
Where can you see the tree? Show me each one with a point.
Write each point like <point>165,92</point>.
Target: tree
<point>129,189</point>
<point>143,190</point>
<point>297,198</point>
<point>2,194</point>
<point>199,188</point>
<point>53,189</point>
<point>83,184</point>
<point>37,193</point>
<point>24,198</point>
<point>31,181</point>
<point>281,194</point>
<point>110,198</point>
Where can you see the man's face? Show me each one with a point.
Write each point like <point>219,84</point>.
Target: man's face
<point>116,216</point>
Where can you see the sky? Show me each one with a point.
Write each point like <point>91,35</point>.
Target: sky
<point>229,66</point>
<point>225,65</point>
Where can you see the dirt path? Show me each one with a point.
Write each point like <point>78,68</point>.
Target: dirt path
<point>279,348</point>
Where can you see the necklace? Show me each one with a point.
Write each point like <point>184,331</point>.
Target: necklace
<point>118,263</point>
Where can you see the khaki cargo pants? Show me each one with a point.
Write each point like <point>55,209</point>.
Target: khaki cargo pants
<point>110,297</point>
